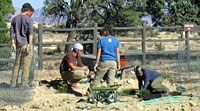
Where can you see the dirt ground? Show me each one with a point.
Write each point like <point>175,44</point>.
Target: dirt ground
<point>46,98</point>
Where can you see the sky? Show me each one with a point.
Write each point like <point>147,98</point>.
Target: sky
<point>35,3</point>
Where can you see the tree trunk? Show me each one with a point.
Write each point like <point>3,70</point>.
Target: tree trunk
<point>71,36</point>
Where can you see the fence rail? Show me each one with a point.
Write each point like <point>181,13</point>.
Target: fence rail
<point>143,29</point>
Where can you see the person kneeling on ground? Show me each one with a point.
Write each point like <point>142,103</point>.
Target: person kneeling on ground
<point>72,69</point>
<point>152,80</point>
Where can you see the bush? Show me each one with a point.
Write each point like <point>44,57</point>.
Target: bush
<point>62,88</point>
<point>127,92</point>
<point>143,92</point>
<point>4,38</point>
<point>132,47</point>
<point>152,33</point>
<point>166,75</point>
<point>159,46</point>
<point>5,52</point>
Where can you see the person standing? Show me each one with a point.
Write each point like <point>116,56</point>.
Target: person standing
<point>72,69</point>
<point>21,32</point>
<point>107,57</point>
<point>150,79</point>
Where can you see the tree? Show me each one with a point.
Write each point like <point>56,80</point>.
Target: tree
<point>155,9</point>
<point>80,12</point>
<point>5,8</point>
<point>173,12</point>
<point>56,9</point>
<point>84,13</point>
<point>183,11</point>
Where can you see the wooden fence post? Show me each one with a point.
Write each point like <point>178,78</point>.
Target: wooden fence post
<point>144,43</point>
<point>95,38</point>
<point>40,58</point>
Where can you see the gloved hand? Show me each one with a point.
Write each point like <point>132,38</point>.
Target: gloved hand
<point>29,48</point>
<point>95,67</point>
<point>13,47</point>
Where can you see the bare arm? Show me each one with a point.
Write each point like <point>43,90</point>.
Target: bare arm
<point>12,34</point>
<point>118,57</point>
<point>75,67</point>
<point>31,39</point>
<point>98,55</point>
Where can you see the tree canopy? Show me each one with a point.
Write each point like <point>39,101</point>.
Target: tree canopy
<point>5,8</point>
<point>124,12</point>
<point>79,12</point>
<point>173,12</point>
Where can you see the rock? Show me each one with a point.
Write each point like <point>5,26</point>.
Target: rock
<point>3,109</point>
<point>141,108</point>
<point>35,106</point>
<point>130,81</point>
<point>99,105</point>
<point>192,104</point>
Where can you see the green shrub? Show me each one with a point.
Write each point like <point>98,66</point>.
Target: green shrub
<point>132,47</point>
<point>152,33</point>
<point>62,88</point>
<point>159,46</point>
<point>166,75</point>
<point>127,92</point>
<point>143,92</point>
<point>4,38</point>
<point>5,52</point>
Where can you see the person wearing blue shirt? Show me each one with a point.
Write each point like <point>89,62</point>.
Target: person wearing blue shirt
<point>107,58</point>
<point>150,79</point>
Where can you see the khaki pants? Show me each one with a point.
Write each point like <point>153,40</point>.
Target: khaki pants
<point>157,85</point>
<point>107,67</point>
<point>22,59</point>
<point>74,76</point>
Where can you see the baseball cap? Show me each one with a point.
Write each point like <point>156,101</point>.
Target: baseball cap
<point>27,6</point>
<point>77,46</point>
<point>137,69</point>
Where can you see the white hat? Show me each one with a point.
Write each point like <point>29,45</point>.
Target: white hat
<point>77,46</point>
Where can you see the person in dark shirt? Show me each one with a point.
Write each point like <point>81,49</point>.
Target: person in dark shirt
<point>72,69</point>
<point>21,32</point>
<point>150,79</point>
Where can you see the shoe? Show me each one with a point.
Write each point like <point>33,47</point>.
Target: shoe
<point>86,79</point>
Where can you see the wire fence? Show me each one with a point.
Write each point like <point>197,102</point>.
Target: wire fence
<point>15,95</point>
<point>168,56</point>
